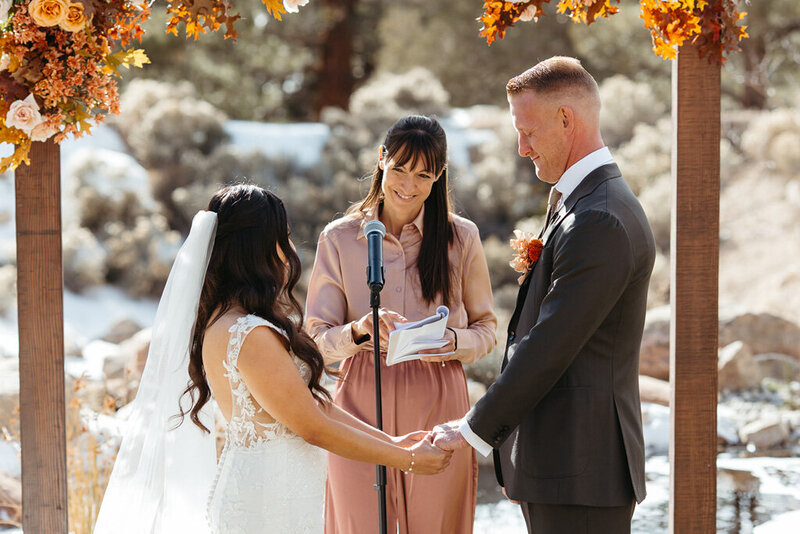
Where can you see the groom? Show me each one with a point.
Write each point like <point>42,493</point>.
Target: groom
<point>564,418</point>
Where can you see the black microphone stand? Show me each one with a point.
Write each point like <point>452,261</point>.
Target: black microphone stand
<point>380,470</point>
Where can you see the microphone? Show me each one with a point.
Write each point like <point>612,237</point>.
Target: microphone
<point>374,232</point>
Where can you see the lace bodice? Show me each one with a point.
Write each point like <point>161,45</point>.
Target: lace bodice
<point>249,424</point>
<point>268,479</point>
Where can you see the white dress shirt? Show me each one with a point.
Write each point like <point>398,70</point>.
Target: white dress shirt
<point>565,185</point>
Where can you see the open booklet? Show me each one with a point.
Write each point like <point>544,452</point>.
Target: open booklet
<point>408,339</point>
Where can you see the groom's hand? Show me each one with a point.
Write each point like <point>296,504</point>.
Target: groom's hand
<point>447,437</point>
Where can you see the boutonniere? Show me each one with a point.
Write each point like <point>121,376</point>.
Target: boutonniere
<point>527,250</point>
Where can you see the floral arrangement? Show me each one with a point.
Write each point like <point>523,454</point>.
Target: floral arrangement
<point>527,250</point>
<point>59,65</point>
<point>60,60</point>
<point>713,25</point>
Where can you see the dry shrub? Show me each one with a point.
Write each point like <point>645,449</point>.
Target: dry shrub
<point>627,103</point>
<point>774,136</point>
<point>387,97</point>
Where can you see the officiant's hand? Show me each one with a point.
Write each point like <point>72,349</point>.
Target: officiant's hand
<point>440,354</point>
<point>387,318</point>
<point>428,459</point>
<point>446,436</point>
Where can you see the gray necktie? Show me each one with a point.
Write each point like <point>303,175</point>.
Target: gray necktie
<point>552,204</point>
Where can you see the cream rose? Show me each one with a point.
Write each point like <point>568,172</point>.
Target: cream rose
<point>528,14</point>
<point>75,20</point>
<point>5,61</point>
<point>24,115</point>
<point>44,130</point>
<point>48,13</point>
<point>293,6</point>
<point>5,5</point>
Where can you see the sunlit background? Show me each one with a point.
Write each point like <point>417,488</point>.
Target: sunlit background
<point>301,105</point>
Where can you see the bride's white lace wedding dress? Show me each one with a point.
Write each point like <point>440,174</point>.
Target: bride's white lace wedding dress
<point>268,479</point>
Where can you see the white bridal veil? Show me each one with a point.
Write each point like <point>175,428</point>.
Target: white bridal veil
<point>162,476</point>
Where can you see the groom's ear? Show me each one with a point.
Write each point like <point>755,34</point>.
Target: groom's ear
<point>566,118</point>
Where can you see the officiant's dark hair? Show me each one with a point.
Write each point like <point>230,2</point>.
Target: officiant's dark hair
<point>409,140</point>
<point>245,270</point>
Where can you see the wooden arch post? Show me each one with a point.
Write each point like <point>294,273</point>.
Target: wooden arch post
<point>694,325</point>
<point>41,341</point>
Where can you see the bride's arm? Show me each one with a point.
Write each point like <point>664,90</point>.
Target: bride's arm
<point>343,416</point>
<point>273,379</point>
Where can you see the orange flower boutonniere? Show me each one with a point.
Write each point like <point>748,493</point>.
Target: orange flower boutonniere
<point>527,250</point>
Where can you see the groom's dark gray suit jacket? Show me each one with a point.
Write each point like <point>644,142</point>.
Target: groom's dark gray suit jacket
<point>564,416</point>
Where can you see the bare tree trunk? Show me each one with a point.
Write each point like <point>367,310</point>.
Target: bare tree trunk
<point>336,80</point>
<point>756,83</point>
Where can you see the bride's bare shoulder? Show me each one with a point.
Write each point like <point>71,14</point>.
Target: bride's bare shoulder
<point>216,336</point>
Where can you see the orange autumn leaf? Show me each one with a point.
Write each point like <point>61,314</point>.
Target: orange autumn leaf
<point>714,26</point>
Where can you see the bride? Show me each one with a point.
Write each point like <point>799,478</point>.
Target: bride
<point>228,326</point>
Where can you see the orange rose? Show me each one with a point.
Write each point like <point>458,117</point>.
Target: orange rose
<point>47,13</point>
<point>75,21</point>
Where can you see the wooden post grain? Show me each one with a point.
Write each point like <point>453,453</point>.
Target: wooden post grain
<point>694,293</point>
<point>41,342</point>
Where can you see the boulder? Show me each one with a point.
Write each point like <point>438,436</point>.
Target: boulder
<point>122,330</point>
<point>654,390</point>
<point>654,352</point>
<point>476,390</point>
<point>135,350</point>
<point>737,368</point>
<point>778,366</point>
<point>763,332</point>
<point>764,434</point>
<point>10,499</point>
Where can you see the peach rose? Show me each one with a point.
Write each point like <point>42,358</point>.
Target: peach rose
<point>47,13</point>
<point>75,21</point>
<point>44,130</point>
<point>24,115</point>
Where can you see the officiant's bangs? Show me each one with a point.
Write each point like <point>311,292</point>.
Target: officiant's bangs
<point>416,138</point>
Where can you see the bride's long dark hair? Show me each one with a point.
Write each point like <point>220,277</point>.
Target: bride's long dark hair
<point>245,270</point>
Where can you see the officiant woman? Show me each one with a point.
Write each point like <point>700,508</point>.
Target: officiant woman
<point>431,257</point>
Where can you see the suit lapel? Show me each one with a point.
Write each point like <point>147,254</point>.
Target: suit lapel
<point>585,188</point>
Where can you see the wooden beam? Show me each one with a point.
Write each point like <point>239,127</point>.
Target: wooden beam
<point>41,342</point>
<point>694,293</point>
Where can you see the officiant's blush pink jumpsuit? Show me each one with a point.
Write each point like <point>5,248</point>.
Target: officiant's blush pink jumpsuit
<point>416,395</point>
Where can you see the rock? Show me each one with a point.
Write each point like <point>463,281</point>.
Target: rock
<point>737,368</point>
<point>727,426</point>
<point>654,390</point>
<point>763,332</point>
<point>476,390</point>
<point>735,480</point>
<point>135,352</point>
<point>765,433</point>
<point>654,352</point>
<point>10,498</point>
<point>778,366</point>
<point>122,330</point>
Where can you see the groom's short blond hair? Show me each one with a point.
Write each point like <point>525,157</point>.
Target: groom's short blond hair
<point>557,74</point>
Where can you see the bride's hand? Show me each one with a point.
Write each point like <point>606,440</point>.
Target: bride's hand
<point>409,439</point>
<point>428,459</point>
<point>387,318</point>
